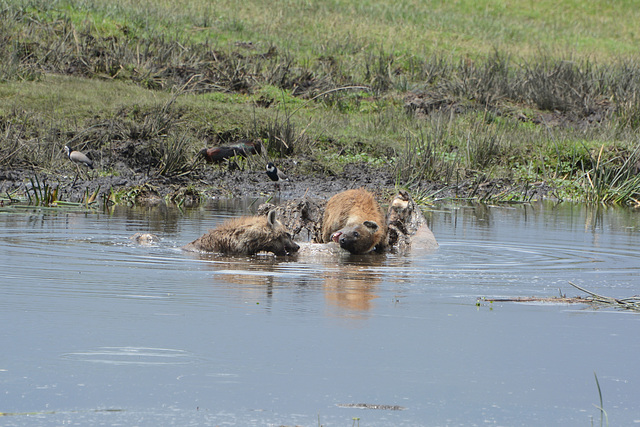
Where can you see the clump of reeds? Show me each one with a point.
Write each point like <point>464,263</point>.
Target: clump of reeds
<point>422,158</point>
<point>615,180</point>
<point>174,155</point>
<point>483,147</point>
<point>379,72</point>
<point>282,137</point>
<point>41,193</point>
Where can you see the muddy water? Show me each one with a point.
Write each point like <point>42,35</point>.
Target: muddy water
<point>97,330</point>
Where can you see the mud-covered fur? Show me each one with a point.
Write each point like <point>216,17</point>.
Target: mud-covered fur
<point>407,226</point>
<point>302,217</point>
<point>355,221</point>
<point>247,236</point>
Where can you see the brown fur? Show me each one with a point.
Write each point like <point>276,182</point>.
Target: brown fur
<point>247,236</point>
<point>407,226</point>
<point>354,219</point>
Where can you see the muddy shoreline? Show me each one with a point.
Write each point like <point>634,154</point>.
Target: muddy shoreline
<point>218,181</point>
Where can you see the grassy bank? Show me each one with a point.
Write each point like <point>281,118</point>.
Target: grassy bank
<point>484,99</point>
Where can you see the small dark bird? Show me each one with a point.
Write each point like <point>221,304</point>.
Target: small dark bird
<point>78,158</point>
<point>275,174</point>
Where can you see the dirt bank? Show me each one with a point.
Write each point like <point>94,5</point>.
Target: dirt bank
<point>208,181</point>
<point>129,187</point>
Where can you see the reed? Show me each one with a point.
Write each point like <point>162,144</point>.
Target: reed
<point>174,154</point>
<point>615,180</point>
<point>603,414</point>
<point>426,156</point>
<point>41,193</point>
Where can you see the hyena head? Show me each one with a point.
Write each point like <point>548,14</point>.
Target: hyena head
<point>274,237</point>
<point>357,238</point>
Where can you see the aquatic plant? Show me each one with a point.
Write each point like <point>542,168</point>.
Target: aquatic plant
<point>603,413</point>
<point>41,194</point>
<point>173,152</point>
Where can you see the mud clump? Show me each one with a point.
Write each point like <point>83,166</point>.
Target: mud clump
<point>148,196</point>
<point>302,217</point>
<point>407,225</point>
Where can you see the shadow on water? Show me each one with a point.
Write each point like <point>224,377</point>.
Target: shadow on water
<point>96,322</point>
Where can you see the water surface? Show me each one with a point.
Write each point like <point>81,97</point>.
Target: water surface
<point>98,330</point>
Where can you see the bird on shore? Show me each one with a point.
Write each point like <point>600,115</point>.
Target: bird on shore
<point>275,174</point>
<point>78,158</point>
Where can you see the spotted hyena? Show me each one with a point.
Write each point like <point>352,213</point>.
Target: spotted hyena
<point>247,236</point>
<point>355,221</point>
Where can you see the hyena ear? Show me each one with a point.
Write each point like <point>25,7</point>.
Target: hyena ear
<point>371,225</point>
<point>271,218</point>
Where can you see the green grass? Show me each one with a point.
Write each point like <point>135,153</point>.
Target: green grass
<point>435,91</point>
<point>74,98</point>
<point>598,28</point>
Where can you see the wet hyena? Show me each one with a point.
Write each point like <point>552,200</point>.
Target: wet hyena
<point>247,236</point>
<point>355,221</point>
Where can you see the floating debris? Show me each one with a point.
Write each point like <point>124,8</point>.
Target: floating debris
<point>371,406</point>
<point>552,300</point>
<point>14,414</point>
<point>630,303</point>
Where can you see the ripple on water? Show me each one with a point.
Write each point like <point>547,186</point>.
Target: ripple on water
<point>474,255</point>
<point>143,356</point>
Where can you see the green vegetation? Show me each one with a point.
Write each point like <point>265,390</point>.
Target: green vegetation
<point>491,100</point>
<point>603,413</point>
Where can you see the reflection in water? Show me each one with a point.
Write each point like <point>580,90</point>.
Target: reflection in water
<point>352,284</point>
<point>96,321</point>
<point>351,287</point>
<point>348,281</point>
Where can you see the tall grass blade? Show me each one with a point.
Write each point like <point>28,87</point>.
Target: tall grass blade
<point>603,413</point>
